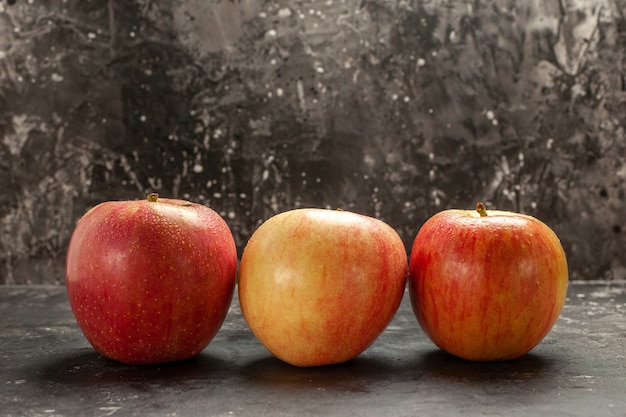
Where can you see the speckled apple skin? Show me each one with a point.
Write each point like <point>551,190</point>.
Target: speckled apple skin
<point>150,282</point>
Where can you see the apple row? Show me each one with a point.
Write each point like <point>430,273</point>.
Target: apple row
<point>151,281</point>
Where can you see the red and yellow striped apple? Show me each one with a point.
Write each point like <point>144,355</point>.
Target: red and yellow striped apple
<point>150,281</point>
<point>317,286</point>
<point>487,285</point>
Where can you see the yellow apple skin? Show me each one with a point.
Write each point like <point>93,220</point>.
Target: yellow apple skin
<point>317,287</point>
<point>487,288</point>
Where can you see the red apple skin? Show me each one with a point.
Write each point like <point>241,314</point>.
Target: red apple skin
<point>150,281</point>
<point>487,288</point>
<point>317,286</point>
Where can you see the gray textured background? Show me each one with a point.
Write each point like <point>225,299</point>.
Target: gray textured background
<point>396,109</point>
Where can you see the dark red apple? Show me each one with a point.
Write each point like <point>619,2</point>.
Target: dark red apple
<point>317,287</point>
<point>150,281</point>
<point>487,285</point>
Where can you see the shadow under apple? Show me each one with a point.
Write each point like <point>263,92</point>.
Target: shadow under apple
<point>86,367</point>
<point>357,375</point>
<point>437,364</point>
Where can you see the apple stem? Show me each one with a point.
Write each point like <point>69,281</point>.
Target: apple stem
<point>481,209</point>
<point>153,197</point>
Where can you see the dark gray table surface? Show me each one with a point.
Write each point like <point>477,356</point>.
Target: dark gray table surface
<point>48,369</point>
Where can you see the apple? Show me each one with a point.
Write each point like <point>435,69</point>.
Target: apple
<point>486,285</point>
<point>318,286</point>
<point>150,281</point>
